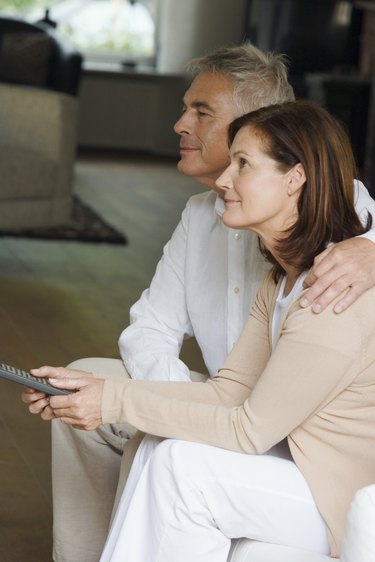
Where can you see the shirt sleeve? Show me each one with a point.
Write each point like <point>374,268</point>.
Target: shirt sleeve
<point>159,321</point>
<point>364,204</point>
<point>258,398</point>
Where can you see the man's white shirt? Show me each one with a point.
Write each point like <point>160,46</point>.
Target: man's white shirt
<point>204,286</point>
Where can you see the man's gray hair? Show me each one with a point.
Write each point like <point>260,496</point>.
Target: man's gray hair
<point>259,79</point>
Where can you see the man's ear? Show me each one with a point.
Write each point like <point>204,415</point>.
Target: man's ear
<point>297,178</point>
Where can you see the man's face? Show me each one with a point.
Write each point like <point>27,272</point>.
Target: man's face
<point>208,109</point>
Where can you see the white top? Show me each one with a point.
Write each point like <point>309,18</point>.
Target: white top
<point>283,302</point>
<point>204,285</point>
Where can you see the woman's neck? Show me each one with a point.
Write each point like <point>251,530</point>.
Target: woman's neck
<point>291,279</point>
<point>291,273</point>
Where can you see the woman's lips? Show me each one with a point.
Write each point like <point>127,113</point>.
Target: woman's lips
<point>231,201</point>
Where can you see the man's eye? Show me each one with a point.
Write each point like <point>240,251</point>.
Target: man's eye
<point>202,113</point>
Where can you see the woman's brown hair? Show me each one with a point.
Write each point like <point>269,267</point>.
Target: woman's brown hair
<point>303,132</point>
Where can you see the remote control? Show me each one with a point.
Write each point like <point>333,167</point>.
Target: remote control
<point>27,379</point>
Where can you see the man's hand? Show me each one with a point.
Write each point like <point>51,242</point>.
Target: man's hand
<point>81,409</point>
<point>346,268</point>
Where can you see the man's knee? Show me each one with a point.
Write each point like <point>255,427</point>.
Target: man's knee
<point>100,366</point>
<point>84,364</point>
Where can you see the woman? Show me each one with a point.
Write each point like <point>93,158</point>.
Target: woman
<point>295,381</point>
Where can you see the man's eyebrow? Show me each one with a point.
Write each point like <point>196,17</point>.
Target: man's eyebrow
<point>200,105</point>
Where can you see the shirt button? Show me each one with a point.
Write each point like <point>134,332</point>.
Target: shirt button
<point>237,236</point>
<point>236,289</point>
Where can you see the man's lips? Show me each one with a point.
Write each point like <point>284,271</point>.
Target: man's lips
<point>186,148</point>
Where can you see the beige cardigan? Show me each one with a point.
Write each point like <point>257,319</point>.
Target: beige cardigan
<point>317,388</point>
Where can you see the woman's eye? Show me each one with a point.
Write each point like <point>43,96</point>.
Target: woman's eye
<point>243,163</point>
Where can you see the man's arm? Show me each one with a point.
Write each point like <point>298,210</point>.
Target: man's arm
<point>150,346</point>
<point>347,265</point>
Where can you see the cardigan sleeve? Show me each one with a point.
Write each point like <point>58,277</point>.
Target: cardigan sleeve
<point>257,398</point>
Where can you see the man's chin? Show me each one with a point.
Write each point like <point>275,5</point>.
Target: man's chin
<point>185,168</point>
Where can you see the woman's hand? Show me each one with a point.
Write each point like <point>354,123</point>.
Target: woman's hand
<point>38,401</point>
<point>346,268</point>
<point>81,408</point>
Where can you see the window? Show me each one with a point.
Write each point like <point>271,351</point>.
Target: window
<point>102,30</point>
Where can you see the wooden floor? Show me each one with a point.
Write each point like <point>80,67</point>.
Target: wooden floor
<point>60,301</point>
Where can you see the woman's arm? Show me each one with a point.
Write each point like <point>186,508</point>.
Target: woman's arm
<point>315,359</point>
<point>256,400</point>
<point>84,409</point>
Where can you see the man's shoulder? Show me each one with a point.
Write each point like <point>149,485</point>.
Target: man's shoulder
<point>205,200</point>
<point>201,209</point>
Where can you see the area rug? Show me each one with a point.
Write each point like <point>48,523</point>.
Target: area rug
<point>85,225</point>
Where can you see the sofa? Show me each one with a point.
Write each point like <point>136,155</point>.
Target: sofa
<point>37,152</point>
<point>39,79</point>
<point>358,544</point>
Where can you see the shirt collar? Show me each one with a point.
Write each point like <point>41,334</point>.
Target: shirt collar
<point>219,206</point>
<point>218,210</point>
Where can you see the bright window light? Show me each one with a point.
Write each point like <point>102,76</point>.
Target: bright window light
<point>117,30</point>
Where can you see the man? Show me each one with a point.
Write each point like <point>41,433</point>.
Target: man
<point>204,286</point>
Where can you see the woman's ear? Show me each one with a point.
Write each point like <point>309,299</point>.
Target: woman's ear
<point>297,178</point>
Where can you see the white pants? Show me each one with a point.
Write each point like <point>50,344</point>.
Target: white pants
<point>192,499</point>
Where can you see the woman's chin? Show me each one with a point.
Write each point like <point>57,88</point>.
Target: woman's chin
<point>230,221</point>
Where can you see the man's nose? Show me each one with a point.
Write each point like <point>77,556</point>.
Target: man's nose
<point>183,125</point>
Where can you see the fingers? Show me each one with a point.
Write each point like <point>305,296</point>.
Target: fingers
<point>72,407</point>
<point>47,371</point>
<point>80,409</point>
<point>343,272</point>
<point>39,406</point>
<point>36,401</point>
<point>47,414</point>
<point>30,395</point>
<point>69,383</point>
<point>320,267</point>
<point>50,407</point>
<point>350,297</point>
<point>324,291</point>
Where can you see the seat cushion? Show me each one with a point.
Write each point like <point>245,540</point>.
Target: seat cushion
<point>245,550</point>
<point>359,539</point>
<point>26,174</point>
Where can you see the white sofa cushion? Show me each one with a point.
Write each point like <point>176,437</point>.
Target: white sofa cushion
<point>358,545</point>
<point>359,539</point>
<point>245,550</point>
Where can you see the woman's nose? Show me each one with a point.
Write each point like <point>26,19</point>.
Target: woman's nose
<point>224,181</point>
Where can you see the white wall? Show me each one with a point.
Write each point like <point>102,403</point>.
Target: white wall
<point>136,111</point>
<point>130,111</point>
<point>189,28</point>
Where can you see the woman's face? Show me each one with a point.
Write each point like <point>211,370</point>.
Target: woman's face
<point>258,195</point>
